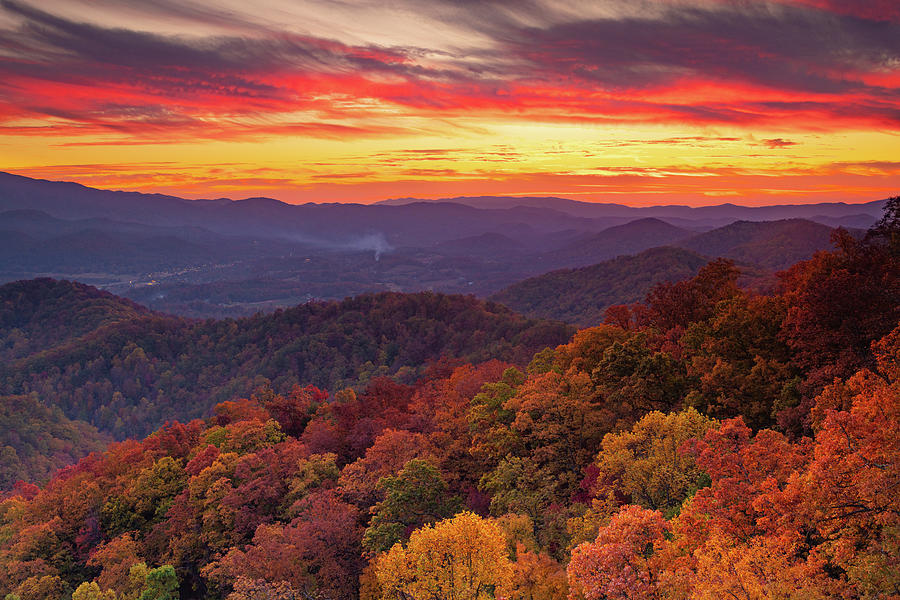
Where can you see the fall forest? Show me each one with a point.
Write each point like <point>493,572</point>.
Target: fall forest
<point>708,442</point>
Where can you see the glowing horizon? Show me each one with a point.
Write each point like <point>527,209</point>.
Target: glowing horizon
<point>694,102</point>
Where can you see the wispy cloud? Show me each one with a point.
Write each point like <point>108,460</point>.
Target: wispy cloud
<point>778,143</point>
<point>358,100</point>
<point>741,64</point>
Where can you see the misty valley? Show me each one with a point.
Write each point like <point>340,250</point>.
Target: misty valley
<point>224,258</point>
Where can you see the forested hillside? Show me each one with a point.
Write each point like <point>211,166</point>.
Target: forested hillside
<point>115,365</point>
<point>36,440</point>
<point>706,443</point>
<point>40,314</point>
<point>581,296</point>
<point>775,244</point>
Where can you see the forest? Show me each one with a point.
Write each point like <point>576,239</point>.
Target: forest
<point>707,442</point>
<point>126,370</point>
<point>581,296</point>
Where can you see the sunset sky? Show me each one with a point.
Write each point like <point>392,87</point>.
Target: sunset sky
<point>692,102</point>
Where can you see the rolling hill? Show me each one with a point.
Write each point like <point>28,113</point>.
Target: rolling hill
<point>41,314</point>
<point>629,238</point>
<point>126,370</point>
<point>773,245</point>
<point>581,296</point>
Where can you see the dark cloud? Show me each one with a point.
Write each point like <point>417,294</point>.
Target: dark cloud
<point>873,10</point>
<point>780,47</point>
<point>227,63</point>
<point>139,83</point>
<point>778,143</point>
<point>771,61</point>
<point>131,48</point>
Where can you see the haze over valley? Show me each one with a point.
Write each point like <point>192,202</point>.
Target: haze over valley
<point>227,258</point>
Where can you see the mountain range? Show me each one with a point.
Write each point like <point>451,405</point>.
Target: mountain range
<point>833,214</point>
<point>223,257</point>
<point>581,296</point>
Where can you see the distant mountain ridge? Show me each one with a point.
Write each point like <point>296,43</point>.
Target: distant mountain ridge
<point>74,201</point>
<point>580,296</point>
<point>629,238</point>
<point>326,225</point>
<point>772,244</point>
<point>215,258</point>
<point>708,215</point>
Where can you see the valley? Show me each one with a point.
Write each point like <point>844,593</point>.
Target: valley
<point>191,259</point>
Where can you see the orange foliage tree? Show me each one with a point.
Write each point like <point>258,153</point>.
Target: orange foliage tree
<point>621,563</point>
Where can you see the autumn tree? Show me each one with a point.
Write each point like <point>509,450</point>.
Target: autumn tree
<point>537,576</point>
<point>644,466</point>
<point>517,486</point>
<point>738,363</point>
<point>440,411</point>
<point>316,554</point>
<point>635,378</point>
<point>489,419</point>
<point>620,315</point>
<point>670,305</point>
<point>294,410</point>
<point>314,473</point>
<point>92,591</point>
<point>741,467</point>
<point>417,495</point>
<point>243,409</point>
<point>161,584</point>
<point>887,230</point>
<point>259,589</point>
<point>358,481</point>
<point>463,558</point>
<point>558,421</point>
<point>839,302</point>
<point>769,566</point>
<point>848,494</point>
<point>146,501</point>
<point>621,563</point>
<point>584,351</point>
<point>115,558</point>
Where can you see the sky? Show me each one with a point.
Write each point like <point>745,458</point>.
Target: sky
<point>693,102</point>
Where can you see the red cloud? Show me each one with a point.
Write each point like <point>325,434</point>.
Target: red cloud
<point>736,64</point>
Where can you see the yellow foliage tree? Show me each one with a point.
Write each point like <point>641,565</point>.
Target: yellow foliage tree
<point>645,465</point>
<point>463,558</point>
<point>92,591</point>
